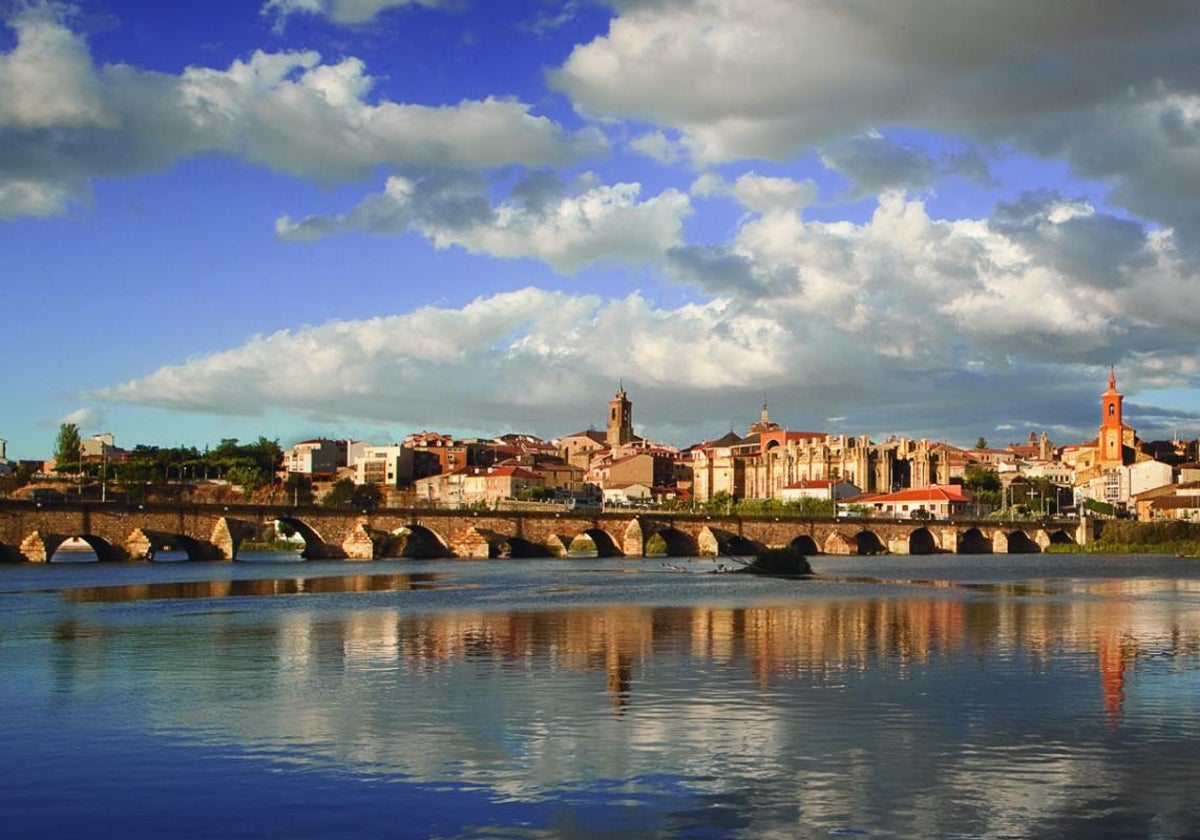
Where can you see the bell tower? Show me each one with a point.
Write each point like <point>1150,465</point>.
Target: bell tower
<point>620,419</point>
<point>1111,437</point>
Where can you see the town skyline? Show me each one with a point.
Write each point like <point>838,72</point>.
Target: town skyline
<point>355,219</point>
<point>630,426</point>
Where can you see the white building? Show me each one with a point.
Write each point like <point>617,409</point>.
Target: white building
<point>818,488</point>
<point>1117,485</point>
<point>388,465</point>
<point>319,456</point>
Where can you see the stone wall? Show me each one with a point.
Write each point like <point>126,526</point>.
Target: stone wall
<point>119,532</point>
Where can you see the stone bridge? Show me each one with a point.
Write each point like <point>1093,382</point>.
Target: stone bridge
<point>30,532</point>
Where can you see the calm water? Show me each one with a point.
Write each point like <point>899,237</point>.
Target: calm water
<point>1032,696</point>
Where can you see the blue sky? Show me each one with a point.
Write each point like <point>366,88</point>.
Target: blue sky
<point>369,217</point>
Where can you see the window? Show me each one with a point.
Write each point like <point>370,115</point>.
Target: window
<point>1112,485</point>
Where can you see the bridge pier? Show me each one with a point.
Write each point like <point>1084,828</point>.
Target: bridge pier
<point>228,534</point>
<point>361,543</point>
<point>633,544</point>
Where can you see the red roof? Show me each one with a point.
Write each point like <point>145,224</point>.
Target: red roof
<point>933,493</point>
<point>509,472</point>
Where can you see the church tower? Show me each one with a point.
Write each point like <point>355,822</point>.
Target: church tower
<point>620,419</point>
<point>1111,437</point>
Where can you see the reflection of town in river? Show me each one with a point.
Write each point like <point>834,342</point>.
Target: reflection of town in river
<point>904,701</point>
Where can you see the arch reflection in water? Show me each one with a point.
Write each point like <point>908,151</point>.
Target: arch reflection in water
<point>250,588</point>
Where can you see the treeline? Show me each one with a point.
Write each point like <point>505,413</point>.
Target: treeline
<point>251,465</point>
<point>722,503</point>
<point>1127,536</point>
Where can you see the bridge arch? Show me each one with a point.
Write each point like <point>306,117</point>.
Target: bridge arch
<point>972,541</point>
<point>104,551</point>
<point>1061,537</point>
<point>921,541</point>
<point>714,541</point>
<point>805,545</point>
<point>145,544</point>
<point>671,542</point>
<point>1015,542</point>
<point>606,544</point>
<point>868,542</point>
<point>417,542</point>
<point>519,548</point>
<point>315,547</point>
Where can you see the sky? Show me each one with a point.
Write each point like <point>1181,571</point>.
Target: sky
<point>944,219</point>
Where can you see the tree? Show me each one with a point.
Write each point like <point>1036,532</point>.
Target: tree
<point>68,448</point>
<point>298,489</point>
<point>345,492</point>
<point>981,443</point>
<point>978,478</point>
<point>340,493</point>
<point>246,476</point>
<point>983,484</point>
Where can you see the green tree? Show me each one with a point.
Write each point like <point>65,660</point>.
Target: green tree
<point>720,502</point>
<point>366,495</point>
<point>68,448</point>
<point>977,477</point>
<point>247,476</point>
<point>298,489</point>
<point>981,443</point>
<point>340,493</point>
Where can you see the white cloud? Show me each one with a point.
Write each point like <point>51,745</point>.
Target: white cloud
<point>759,193</point>
<point>65,120</point>
<point>603,224</point>
<point>47,80</point>
<point>895,324</point>
<point>344,11</point>
<point>657,146</point>
<point>529,351</point>
<point>1111,87</point>
<point>86,419</point>
<point>35,198</point>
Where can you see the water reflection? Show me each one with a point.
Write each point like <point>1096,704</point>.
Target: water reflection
<point>249,588</point>
<point>1044,708</point>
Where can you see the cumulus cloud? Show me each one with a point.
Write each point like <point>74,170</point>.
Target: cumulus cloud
<point>875,164</point>
<point>86,419</point>
<point>896,324</point>
<point>657,146</point>
<point>64,120</point>
<point>759,193</point>
<point>524,353</point>
<point>604,224</point>
<point>344,11</point>
<point>1110,87</point>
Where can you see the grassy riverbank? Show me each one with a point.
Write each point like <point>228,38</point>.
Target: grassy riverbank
<point>269,545</point>
<point>1121,536</point>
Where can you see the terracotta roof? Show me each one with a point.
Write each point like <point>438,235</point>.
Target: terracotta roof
<point>598,437</point>
<point>934,493</point>
<point>1176,502</point>
<point>507,472</point>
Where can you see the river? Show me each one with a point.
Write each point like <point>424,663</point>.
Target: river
<point>934,696</point>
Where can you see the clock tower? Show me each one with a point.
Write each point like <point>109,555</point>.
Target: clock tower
<point>1112,429</point>
<point>620,419</point>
